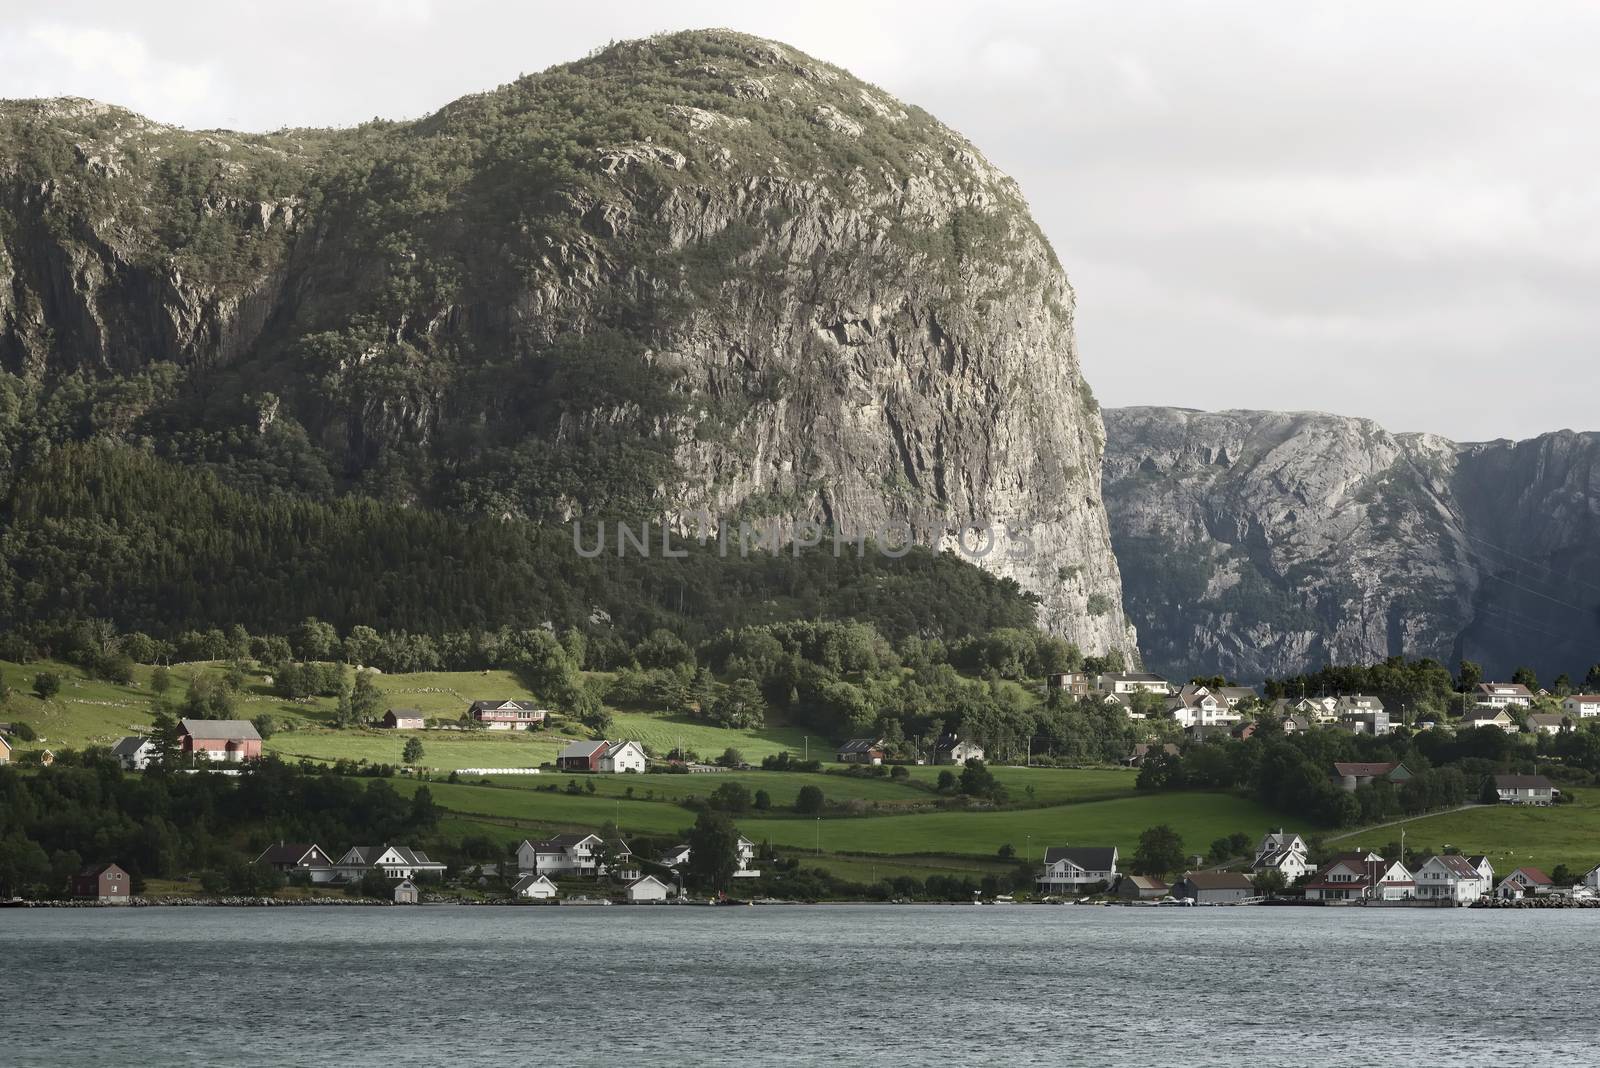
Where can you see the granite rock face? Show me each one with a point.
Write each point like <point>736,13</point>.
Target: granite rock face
<point>701,271</point>
<point>1264,543</point>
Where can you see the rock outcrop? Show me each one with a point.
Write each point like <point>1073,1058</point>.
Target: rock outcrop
<point>1263,543</point>
<point>701,271</point>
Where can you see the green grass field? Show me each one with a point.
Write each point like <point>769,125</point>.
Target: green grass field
<point>1510,835</point>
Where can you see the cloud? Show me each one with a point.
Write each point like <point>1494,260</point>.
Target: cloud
<point>115,66</point>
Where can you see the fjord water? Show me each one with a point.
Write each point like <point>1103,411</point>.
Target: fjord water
<point>886,985</point>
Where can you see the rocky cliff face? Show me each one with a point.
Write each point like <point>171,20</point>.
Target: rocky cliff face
<point>698,271</point>
<point>1264,543</point>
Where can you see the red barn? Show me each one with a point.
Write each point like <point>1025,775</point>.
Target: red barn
<point>581,756</point>
<point>105,883</point>
<point>222,740</point>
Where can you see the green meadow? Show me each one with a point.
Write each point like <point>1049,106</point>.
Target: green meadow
<point>1512,836</point>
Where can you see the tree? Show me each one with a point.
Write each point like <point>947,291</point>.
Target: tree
<point>46,685</point>
<point>1468,674</point>
<point>168,745</point>
<point>946,782</point>
<point>978,781</point>
<point>713,851</point>
<point>809,800</point>
<point>265,725</point>
<point>160,679</point>
<point>1271,882</point>
<point>1591,681</point>
<point>1562,876</point>
<point>1160,851</point>
<point>412,754</point>
<point>762,801</point>
<point>365,697</point>
<point>730,758</point>
<point>731,797</point>
<point>314,639</point>
<point>1526,677</point>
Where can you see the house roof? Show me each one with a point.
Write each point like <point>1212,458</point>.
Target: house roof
<point>950,741</point>
<point>406,713</point>
<point>1523,782</point>
<point>1476,859</point>
<point>130,745</point>
<point>581,749</point>
<point>1361,701</point>
<point>1218,880</point>
<point>1089,858</point>
<point>1547,719</point>
<point>1531,876</point>
<point>613,748</point>
<point>1459,865</point>
<point>1235,693</point>
<point>221,730</point>
<point>528,880</point>
<point>93,871</point>
<point>861,745</point>
<point>1585,698</point>
<point>1132,676</point>
<point>518,706</point>
<point>647,879</point>
<point>414,857</point>
<point>4,743</point>
<point>286,853</point>
<point>1485,715</point>
<point>1504,689</point>
<point>1145,882</point>
<point>1364,769</point>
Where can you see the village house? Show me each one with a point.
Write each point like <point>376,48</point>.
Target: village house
<point>1234,696</point>
<point>404,719</point>
<point>623,758</point>
<point>1320,709</point>
<point>1525,789</point>
<point>394,862</point>
<point>1581,705</point>
<point>580,855</point>
<point>1140,888</point>
<point>1350,774</point>
<point>647,891</point>
<point>406,893</point>
<point>953,749</point>
<point>292,857</point>
<point>105,883</point>
<point>678,856</point>
<point>862,751</point>
<point>1075,683</point>
<point>1214,887</point>
<point>1196,706</point>
<point>223,740</point>
<point>1074,869</point>
<point>1548,722</point>
<point>1525,881</point>
<point>1503,695</point>
<point>507,715</point>
<point>1282,852</point>
<point>1361,876</point>
<point>1132,682</point>
<point>582,756</point>
<point>1143,751</point>
<point>534,888</point>
<point>1451,878</point>
<point>5,750</point>
<point>1480,864</point>
<point>1591,879</point>
<point>1362,714</point>
<point>134,752</point>
<point>1489,717</point>
<point>1243,731</point>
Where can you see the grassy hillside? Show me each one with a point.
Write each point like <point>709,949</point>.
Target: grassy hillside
<point>1511,836</point>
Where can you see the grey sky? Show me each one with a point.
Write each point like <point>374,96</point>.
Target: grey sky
<point>1360,209</point>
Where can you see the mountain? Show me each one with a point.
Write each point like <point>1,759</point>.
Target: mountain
<point>1264,543</point>
<point>698,271</point>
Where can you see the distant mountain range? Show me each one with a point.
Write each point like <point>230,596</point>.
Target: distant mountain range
<point>1264,543</point>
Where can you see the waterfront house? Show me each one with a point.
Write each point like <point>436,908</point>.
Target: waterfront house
<point>134,752</point>
<point>582,756</point>
<point>1132,682</point>
<point>1548,722</point>
<point>1074,869</point>
<point>1360,876</point>
<point>292,857</point>
<point>1214,887</point>
<point>223,740</point>
<point>1524,789</point>
<point>1488,717</point>
<point>678,856</point>
<point>1581,705</point>
<point>404,719</point>
<point>1480,864</point>
<point>646,891</point>
<point>576,855</point>
<point>394,862</point>
<point>862,751</point>
<point>405,893</point>
<point>1282,852</point>
<point>105,883</point>
<point>1503,695</point>
<point>1591,879</point>
<point>1350,774</point>
<point>1529,881</point>
<point>534,888</point>
<point>507,715</point>
<point>1451,878</point>
<point>623,757</point>
<point>954,749</point>
<point>1140,888</point>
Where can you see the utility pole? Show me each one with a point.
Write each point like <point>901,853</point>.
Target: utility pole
<point>819,836</point>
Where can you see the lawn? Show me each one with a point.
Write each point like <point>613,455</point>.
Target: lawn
<point>1052,785</point>
<point>1512,836</point>
<point>781,786</point>
<point>444,750</point>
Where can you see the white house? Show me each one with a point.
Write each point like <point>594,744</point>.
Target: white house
<point>1073,869</point>
<point>1582,705</point>
<point>1361,876</point>
<point>1196,706</point>
<point>1529,881</point>
<point>1131,682</point>
<point>648,890</point>
<point>395,862</point>
<point>1591,879</point>
<point>534,888</point>
<point>1234,696</point>
<point>1451,878</point>
<point>1503,694</point>
<point>406,893</point>
<point>1480,864</point>
<point>575,854</point>
<point>1489,717</point>
<point>678,856</point>
<point>1321,709</point>
<point>134,752</point>
<point>623,757</point>
<point>1362,714</point>
<point>1524,789</point>
<point>1282,852</point>
<point>1548,722</point>
<point>954,749</point>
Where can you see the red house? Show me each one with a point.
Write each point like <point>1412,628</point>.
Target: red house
<point>581,756</point>
<point>222,740</point>
<point>105,883</point>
